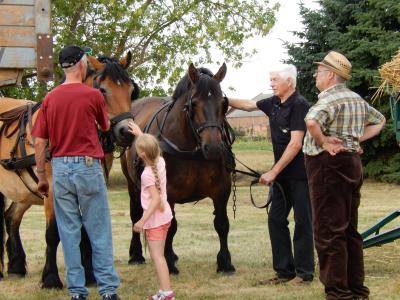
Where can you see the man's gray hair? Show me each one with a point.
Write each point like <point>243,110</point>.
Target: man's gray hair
<point>286,71</point>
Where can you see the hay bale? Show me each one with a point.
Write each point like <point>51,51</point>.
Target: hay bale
<point>390,74</point>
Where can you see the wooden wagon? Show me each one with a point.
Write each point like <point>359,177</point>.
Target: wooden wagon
<point>25,40</point>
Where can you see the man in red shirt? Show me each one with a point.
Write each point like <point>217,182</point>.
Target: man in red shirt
<point>68,120</point>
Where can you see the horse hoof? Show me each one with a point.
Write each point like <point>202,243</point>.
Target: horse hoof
<point>52,282</point>
<point>137,261</point>
<point>91,281</point>
<point>15,275</point>
<point>173,270</point>
<point>228,270</point>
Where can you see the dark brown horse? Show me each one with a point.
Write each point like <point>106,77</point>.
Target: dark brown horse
<point>110,77</point>
<point>192,132</point>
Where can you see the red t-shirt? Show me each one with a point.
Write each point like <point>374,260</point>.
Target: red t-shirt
<point>67,118</point>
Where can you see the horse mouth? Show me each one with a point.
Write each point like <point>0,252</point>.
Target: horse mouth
<point>124,141</point>
<point>212,152</point>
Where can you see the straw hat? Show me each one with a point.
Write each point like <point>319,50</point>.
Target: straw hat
<point>337,63</point>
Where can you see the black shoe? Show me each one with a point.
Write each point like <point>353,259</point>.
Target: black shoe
<point>111,297</point>
<point>78,297</point>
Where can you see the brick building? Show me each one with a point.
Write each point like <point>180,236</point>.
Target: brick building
<point>254,123</point>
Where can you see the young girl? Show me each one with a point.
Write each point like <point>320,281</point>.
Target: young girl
<point>157,214</point>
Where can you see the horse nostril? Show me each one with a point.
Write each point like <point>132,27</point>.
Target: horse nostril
<point>206,148</point>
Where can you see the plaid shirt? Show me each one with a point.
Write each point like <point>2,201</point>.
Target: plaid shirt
<point>343,114</point>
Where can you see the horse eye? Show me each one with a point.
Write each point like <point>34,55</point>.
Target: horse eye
<point>103,91</point>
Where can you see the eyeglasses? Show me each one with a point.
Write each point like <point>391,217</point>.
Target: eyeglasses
<point>319,71</point>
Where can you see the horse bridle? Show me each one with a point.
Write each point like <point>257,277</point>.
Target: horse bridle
<point>188,108</point>
<point>118,118</point>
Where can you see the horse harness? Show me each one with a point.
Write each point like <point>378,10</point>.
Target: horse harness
<point>170,147</point>
<point>17,164</point>
<point>107,139</point>
<point>167,146</point>
<point>228,138</point>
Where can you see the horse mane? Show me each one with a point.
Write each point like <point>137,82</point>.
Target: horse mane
<point>113,69</point>
<point>205,85</point>
<point>136,90</point>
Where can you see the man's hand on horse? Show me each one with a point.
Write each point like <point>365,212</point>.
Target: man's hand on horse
<point>134,128</point>
<point>268,178</point>
<point>43,187</point>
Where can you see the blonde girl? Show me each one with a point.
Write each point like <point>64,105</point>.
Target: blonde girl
<point>157,214</point>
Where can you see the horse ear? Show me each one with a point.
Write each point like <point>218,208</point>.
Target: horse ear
<point>221,73</point>
<point>193,73</point>
<point>126,61</point>
<point>95,63</point>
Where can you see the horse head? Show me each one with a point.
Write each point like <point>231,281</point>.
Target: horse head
<point>110,76</point>
<point>205,108</point>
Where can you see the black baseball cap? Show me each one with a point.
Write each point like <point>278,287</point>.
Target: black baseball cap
<point>70,55</point>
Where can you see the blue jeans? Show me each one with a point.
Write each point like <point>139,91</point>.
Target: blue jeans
<point>80,198</point>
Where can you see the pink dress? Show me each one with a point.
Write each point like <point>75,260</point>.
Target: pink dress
<point>148,179</point>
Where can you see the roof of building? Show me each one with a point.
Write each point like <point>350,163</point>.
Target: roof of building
<point>245,114</point>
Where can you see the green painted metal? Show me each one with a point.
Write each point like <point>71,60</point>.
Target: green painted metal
<point>381,238</point>
<point>395,110</point>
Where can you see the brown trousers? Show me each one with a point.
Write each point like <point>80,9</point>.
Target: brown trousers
<point>334,183</point>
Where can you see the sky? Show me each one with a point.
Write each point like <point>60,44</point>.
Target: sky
<point>253,77</point>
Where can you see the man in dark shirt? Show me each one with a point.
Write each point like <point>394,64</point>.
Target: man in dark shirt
<point>286,111</point>
<point>68,119</point>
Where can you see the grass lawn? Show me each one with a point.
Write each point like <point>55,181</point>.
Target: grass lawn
<point>196,243</point>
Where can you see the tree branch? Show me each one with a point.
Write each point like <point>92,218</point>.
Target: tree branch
<point>76,17</point>
<point>121,43</point>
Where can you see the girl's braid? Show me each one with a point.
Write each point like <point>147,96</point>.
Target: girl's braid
<point>158,184</point>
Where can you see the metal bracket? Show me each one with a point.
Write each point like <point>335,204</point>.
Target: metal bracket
<point>44,56</point>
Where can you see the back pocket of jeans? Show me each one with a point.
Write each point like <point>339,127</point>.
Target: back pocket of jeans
<point>89,183</point>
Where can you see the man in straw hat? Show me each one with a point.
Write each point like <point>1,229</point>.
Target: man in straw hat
<point>336,125</point>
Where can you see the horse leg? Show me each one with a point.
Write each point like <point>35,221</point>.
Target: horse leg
<point>2,208</point>
<point>169,253</point>
<point>50,277</point>
<point>136,212</point>
<point>221,225</point>
<point>16,254</point>
<point>86,257</point>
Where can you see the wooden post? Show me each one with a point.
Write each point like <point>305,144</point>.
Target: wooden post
<point>25,40</point>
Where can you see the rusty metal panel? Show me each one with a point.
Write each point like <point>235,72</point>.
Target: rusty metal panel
<point>17,36</point>
<point>14,15</point>
<point>10,77</point>
<point>17,2</point>
<point>42,16</point>
<point>17,57</point>
<point>44,58</point>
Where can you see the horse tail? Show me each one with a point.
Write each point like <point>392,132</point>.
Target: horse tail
<point>2,233</point>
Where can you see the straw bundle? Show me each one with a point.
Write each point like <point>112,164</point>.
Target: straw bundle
<point>390,74</point>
